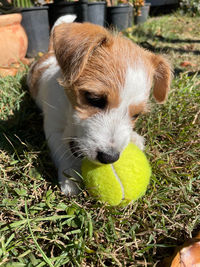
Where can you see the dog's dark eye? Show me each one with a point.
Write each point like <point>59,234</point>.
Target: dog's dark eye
<point>96,100</point>
<point>135,116</point>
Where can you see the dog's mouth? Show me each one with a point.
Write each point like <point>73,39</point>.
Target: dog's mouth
<point>76,152</point>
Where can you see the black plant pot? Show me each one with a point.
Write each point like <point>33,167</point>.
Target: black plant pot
<point>162,2</point>
<point>144,14</point>
<point>36,24</point>
<point>119,16</point>
<point>97,13</point>
<point>61,8</point>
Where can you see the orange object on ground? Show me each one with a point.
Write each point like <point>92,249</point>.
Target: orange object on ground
<point>14,68</point>
<point>13,39</point>
<point>187,255</point>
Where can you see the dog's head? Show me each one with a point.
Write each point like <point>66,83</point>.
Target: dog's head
<point>107,79</point>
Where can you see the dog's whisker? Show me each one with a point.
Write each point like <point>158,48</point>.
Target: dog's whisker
<point>57,150</point>
<point>67,158</point>
<point>49,105</point>
<point>76,149</point>
<point>64,154</point>
<point>78,153</point>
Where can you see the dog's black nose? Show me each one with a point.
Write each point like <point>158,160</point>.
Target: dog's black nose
<point>107,158</point>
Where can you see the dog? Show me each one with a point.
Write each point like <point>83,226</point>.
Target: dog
<point>91,86</point>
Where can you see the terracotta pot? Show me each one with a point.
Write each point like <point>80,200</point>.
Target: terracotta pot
<point>13,39</point>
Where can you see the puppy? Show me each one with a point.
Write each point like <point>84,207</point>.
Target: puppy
<point>91,87</point>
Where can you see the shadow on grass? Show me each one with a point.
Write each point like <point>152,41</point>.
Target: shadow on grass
<point>166,49</point>
<point>163,9</point>
<point>23,133</point>
<point>178,71</point>
<point>160,38</point>
<point>174,41</point>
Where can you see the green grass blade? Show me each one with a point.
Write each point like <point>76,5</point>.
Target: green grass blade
<point>35,241</point>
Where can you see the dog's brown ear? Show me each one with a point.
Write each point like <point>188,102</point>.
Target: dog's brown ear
<point>74,43</point>
<point>162,77</point>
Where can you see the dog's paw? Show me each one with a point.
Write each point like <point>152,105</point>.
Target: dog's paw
<point>69,187</point>
<point>70,183</point>
<point>138,140</point>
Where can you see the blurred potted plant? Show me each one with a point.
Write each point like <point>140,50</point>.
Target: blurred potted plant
<point>158,3</point>
<point>119,14</point>
<point>63,7</point>
<point>13,39</point>
<point>34,21</point>
<point>97,12</point>
<point>36,24</point>
<point>141,11</point>
<point>191,7</point>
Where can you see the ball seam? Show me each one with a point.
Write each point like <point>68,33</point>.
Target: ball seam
<point>118,179</point>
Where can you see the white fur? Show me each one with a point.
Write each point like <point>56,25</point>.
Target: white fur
<point>57,112</point>
<point>50,61</point>
<point>103,132</point>
<point>49,76</point>
<point>137,86</point>
<point>64,19</point>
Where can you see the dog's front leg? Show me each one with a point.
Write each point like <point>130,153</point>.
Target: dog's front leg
<point>138,140</point>
<point>66,164</point>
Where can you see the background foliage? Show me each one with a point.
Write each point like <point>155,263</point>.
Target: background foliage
<point>191,6</point>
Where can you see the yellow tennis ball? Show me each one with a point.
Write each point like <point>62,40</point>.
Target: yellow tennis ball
<point>121,182</point>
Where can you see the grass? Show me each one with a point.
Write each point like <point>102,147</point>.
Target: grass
<point>39,226</point>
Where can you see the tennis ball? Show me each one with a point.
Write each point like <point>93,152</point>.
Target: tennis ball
<point>121,182</point>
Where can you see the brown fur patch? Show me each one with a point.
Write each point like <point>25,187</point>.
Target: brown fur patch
<point>136,110</point>
<point>95,60</point>
<point>74,44</point>
<point>162,77</point>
